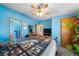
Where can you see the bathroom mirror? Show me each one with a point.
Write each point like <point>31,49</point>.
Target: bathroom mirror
<point>15,30</point>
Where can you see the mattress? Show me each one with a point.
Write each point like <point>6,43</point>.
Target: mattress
<point>51,49</point>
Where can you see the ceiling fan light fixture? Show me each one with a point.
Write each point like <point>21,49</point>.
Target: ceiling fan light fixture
<point>40,9</point>
<point>40,14</point>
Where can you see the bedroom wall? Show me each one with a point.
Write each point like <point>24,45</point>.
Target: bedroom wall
<point>46,23</point>
<point>56,27</point>
<point>5,13</point>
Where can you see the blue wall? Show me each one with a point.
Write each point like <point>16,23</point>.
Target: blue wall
<point>56,27</point>
<point>46,23</point>
<point>5,14</point>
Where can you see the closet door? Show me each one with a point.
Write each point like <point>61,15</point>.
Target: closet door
<point>67,30</point>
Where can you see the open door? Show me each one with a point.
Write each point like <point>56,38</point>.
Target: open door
<point>67,30</point>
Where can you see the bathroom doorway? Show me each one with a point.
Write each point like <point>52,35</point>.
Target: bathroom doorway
<point>30,29</point>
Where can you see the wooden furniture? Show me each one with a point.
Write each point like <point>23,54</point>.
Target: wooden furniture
<point>32,34</point>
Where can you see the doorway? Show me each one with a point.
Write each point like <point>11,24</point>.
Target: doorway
<point>30,29</point>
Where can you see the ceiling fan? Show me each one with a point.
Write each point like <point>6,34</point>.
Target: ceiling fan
<point>40,9</point>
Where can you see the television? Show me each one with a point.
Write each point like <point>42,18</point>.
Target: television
<point>47,32</point>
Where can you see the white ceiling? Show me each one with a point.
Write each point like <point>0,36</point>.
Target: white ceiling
<point>54,9</point>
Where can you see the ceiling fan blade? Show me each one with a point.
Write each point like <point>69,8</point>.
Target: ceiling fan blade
<point>34,13</point>
<point>46,13</point>
<point>45,6</point>
<point>34,6</point>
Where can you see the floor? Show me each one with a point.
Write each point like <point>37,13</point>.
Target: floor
<point>65,52</point>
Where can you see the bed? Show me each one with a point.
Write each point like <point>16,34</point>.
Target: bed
<point>36,46</point>
<point>51,49</point>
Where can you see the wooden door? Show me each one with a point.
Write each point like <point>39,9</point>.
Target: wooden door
<point>39,29</point>
<point>67,30</point>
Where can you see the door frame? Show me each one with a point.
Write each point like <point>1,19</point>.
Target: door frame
<point>61,31</point>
